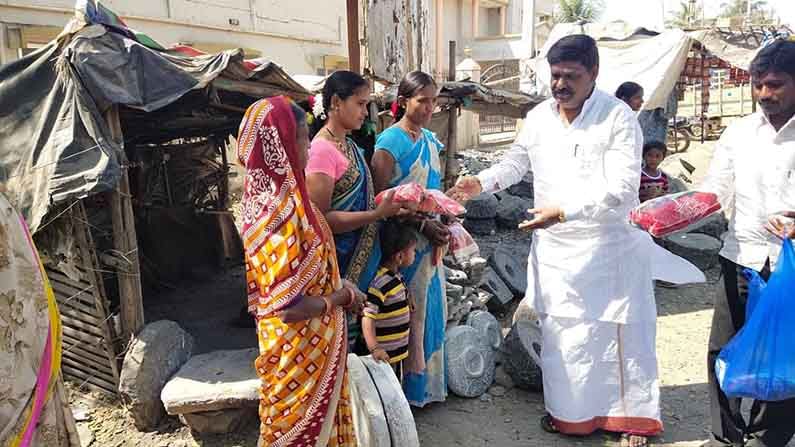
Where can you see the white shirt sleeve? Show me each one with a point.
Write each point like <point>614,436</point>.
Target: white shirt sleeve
<point>622,167</point>
<point>720,175</point>
<point>513,165</point>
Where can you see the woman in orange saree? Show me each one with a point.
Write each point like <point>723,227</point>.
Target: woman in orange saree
<point>294,286</point>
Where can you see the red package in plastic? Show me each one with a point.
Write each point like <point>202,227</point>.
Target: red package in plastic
<point>461,246</point>
<point>665,215</point>
<point>415,197</point>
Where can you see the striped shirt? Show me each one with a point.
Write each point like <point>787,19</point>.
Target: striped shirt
<point>388,306</point>
<point>652,187</point>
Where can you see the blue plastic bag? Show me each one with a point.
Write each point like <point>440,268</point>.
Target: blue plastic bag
<point>759,362</point>
<point>756,284</point>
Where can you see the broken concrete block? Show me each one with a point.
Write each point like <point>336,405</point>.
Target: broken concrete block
<point>156,353</point>
<point>511,266</point>
<point>457,277</point>
<point>512,211</point>
<point>480,227</point>
<point>470,362</point>
<point>214,381</point>
<point>454,292</point>
<point>700,249</point>
<point>502,295</point>
<point>220,421</point>
<point>488,326</point>
<point>482,206</point>
<point>522,349</point>
<point>475,269</point>
<point>369,420</point>
<point>398,414</point>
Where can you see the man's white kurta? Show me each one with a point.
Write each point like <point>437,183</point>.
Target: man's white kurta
<point>595,266</point>
<point>590,277</point>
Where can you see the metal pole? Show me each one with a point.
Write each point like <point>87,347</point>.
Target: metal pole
<point>450,165</point>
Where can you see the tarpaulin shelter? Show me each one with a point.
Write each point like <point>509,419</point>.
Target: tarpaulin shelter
<point>114,148</point>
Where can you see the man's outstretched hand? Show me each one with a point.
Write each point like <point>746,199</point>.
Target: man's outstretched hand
<point>465,189</point>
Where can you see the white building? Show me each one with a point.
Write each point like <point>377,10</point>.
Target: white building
<point>304,36</point>
<point>493,30</point>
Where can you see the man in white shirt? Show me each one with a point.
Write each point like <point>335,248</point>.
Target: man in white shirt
<point>753,173</point>
<point>589,274</point>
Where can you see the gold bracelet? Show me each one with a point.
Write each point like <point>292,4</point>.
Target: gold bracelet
<point>329,305</point>
<point>561,217</point>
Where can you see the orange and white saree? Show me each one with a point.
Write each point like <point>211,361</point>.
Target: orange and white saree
<point>290,256</point>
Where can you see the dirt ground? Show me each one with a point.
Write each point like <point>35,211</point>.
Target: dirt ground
<point>504,420</point>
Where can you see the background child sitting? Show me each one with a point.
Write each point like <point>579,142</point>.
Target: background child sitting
<point>387,312</point>
<point>653,182</point>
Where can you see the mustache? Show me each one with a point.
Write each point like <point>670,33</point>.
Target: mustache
<point>563,91</point>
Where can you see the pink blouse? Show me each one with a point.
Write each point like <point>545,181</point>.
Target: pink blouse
<point>325,158</point>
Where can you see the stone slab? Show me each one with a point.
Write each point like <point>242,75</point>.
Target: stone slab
<point>156,353</point>
<point>402,429</point>
<point>214,381</point>
<point>488,326</point>
<point>522,349</point>
<point>220,421</point>
<point>512,211</point>
<point>511,266</point>
<point>369,420</point>
<point>501,294</point>
<point>470,362</point>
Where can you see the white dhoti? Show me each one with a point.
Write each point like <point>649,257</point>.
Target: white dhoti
<point>600,376</point>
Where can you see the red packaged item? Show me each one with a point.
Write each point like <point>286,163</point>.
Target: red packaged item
<point>414,197</point>
<point>461,247</point>
<point>665,215</point>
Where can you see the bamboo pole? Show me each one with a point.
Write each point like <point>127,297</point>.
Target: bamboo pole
<point>450,165</point>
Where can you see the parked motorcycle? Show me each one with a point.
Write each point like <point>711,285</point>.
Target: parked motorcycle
<point>679,134</point>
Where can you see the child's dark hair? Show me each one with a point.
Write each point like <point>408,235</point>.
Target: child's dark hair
<point>410,86</point>
<point>627,90</point>
<point>655,145</point>
<point>395,237</point>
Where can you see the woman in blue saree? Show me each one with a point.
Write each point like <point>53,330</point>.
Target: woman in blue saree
<point>406,153</point>
<point>341,185</point>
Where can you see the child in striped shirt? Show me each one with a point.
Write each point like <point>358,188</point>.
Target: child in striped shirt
<point>387,312</point>
<point>653,182</point>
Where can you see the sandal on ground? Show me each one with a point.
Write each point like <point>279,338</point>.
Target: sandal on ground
<point>630,440</point>
<point>547,425</point>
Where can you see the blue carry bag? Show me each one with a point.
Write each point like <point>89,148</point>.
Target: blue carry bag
<point>759,362</point>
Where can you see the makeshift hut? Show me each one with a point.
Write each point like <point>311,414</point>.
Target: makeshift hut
<point>115,151</point>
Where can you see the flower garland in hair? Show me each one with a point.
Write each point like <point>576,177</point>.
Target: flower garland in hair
<point>317,106</point>
<point>395,108</point>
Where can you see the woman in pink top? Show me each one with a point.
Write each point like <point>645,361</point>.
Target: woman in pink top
<point>340,184</point>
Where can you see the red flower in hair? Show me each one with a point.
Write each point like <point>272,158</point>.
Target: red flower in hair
<point>394,109</point>
<point>311,102</point>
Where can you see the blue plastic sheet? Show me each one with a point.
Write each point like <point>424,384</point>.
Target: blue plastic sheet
<point>759,362</point>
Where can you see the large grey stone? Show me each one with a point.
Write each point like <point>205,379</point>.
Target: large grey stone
<point>501,294</point>
<point>470,362</point>
<point>698,248</point>
<point>480,227</point>
<point>454,291</point>
<point>488,326</point>
<point>454,276</point>
<point>523,189</point>
<point>369,420</point>
<point>214,381</point>
<point>482,206</point>
<point>512,211</point>
<point>522,348</point>
<point>399,418</point>
<point>511,266</point>
<point>155,354</point>
<point>219,421</point>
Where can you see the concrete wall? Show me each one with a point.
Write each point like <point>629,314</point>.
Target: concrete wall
<point>295,33</point>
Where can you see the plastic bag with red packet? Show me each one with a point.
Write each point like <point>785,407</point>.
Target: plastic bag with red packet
<point>416,198</point>
<point>665,215</point>
<point>462,246</point>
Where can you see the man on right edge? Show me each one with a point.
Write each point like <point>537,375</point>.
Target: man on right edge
<point>753,174</point>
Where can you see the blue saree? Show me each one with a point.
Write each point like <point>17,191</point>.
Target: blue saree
<point>424,378</point>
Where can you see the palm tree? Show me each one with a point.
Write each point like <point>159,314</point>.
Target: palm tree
<point>685,16</point>
<point>570,11</point>
<point>739,8</point>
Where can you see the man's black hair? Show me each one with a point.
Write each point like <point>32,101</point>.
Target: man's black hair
<point>575,48</point>
<point>779,56</point>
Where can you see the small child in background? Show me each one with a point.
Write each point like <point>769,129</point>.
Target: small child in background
<point>387,312</point>
<point>653,182</point>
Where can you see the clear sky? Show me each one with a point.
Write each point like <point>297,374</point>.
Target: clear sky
<point>652,13</point>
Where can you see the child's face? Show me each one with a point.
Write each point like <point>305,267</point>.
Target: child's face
<point>653,158</point>
<point>406,255</point>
